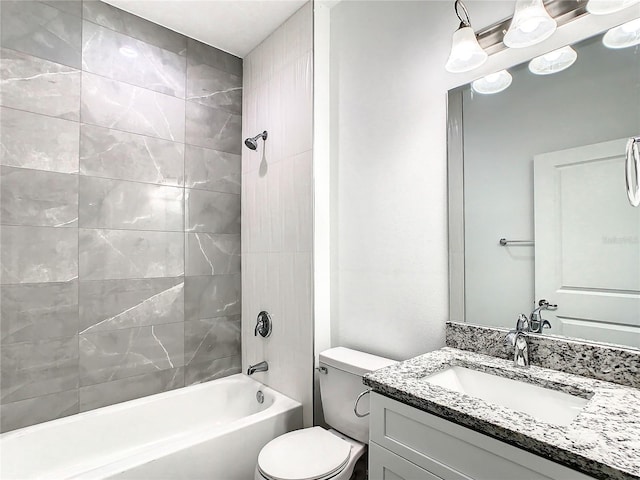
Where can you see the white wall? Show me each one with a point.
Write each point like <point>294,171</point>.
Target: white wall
<point>388,140</point>
<point>277,208</point>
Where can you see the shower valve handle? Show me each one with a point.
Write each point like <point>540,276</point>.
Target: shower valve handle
<point>263,325</point>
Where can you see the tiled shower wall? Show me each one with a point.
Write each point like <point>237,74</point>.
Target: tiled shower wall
<point>277,208</point>
<point>120,209</point>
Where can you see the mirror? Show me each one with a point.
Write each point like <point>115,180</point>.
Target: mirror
<point>540,165</point>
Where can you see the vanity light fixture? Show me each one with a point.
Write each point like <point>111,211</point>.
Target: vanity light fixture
<point>623,36</point>
<point>492,83</point>
<point>604,7</point>
<point>466,53</point>
<point>553,62</point>
<point>531,24</point>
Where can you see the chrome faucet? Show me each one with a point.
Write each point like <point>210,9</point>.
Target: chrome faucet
<point>518,340</point>
<point>258,367</point>
<point>536,322</point>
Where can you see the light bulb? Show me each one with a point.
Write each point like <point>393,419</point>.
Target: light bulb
<point>623,36</point>
<point>466,53</point>
<point>531,24</point>
<point>492,83</point>
<point>129,52</point>
<point>553,62</point>
<point>604,7</point>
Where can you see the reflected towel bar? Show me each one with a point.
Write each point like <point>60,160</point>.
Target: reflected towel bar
<point>504,242</point>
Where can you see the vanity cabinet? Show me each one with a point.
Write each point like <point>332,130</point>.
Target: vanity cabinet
<point>410,444</point>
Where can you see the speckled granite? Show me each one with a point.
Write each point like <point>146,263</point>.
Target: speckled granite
<point>603,441</point>
<point>611,363</point>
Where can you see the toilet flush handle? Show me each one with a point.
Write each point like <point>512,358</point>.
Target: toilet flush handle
<point>355,407</point>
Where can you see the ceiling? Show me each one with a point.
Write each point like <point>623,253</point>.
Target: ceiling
<point>235,26</point>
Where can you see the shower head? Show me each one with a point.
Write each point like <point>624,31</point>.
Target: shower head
<point>252,142</point>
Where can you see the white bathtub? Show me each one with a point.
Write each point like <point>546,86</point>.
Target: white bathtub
<point>212,431</point>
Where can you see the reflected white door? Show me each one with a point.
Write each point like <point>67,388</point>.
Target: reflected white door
<point>587,243</point>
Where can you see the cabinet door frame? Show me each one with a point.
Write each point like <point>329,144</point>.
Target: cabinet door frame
<point>382,461</point>
<point>456,452</point>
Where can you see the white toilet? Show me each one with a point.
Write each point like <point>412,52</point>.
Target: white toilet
<point>318,454</point>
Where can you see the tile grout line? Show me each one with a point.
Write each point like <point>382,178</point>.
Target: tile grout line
<point>185,221</point>
<point>83,175</point>
<point>78,191</point>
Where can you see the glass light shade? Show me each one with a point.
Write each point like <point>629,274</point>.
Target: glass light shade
<point>531,24</point>
<point>623,36</point>
<point>553,62</point>
<point>603,7</point>
<point>466,53</point>
<point>493,83</point>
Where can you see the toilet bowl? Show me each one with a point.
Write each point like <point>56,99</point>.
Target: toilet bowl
<point>309,454</point>
<point>316,453</point>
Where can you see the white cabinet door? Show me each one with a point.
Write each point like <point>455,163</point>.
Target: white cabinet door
<point>384,465</point>
<point>452,452</point>
<point>587,243</point>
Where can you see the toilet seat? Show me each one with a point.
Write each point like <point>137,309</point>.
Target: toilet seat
<point>308,454</point>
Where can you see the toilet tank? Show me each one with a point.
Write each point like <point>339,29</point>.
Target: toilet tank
<point>341,385</point>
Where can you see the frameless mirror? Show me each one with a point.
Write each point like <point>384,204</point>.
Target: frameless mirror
<point>538,201</point>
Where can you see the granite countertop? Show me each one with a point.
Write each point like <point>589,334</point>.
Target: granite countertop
<point>603,441</point>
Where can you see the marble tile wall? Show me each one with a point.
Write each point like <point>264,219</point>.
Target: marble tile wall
<point>120,196</point>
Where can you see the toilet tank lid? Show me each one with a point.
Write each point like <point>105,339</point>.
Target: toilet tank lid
<point>353,361</point>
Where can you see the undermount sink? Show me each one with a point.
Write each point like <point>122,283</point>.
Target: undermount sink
<point>550,406</point>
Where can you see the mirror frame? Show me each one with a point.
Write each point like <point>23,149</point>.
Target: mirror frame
<point>569,34</point>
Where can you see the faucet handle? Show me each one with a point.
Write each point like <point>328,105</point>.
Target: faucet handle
<point>510,338</point>
<point>546,305</point>
<point>522,325</point>
<point>263,325</point>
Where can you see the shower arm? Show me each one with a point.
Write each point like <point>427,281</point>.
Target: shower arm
<point>262,135</point>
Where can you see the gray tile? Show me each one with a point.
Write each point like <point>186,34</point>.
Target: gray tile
<point>54,148</point>
<point>209,297</point>
<point>125,205</point>
<point>213,87</point>
<point>113,104</point>
<point>123,58</point>
<point>207,169</point>
<point>109,393</point>
<point>211,254</point>
<point>118,354</point>
<point>39,86</point>
<point>127,156</point>
<point>38,254</point>
<point>74,7</point>
<point>112,254</point>
<point>38,368</point>
<point>201,53</point>
<point>38,198</point>
<point>211,338</point>
<point>207,371</point>
<point>136,27</point>
<point>42,31</point>
<point>37,410</point>
<point>35,312</point>
<point>115,304</point>
<point>212,212</point>
<point>213,128</point>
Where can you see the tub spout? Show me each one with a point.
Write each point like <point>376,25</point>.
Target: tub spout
<point>258,367</point>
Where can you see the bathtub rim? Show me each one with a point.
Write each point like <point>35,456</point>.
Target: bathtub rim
<point>122,459</point>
